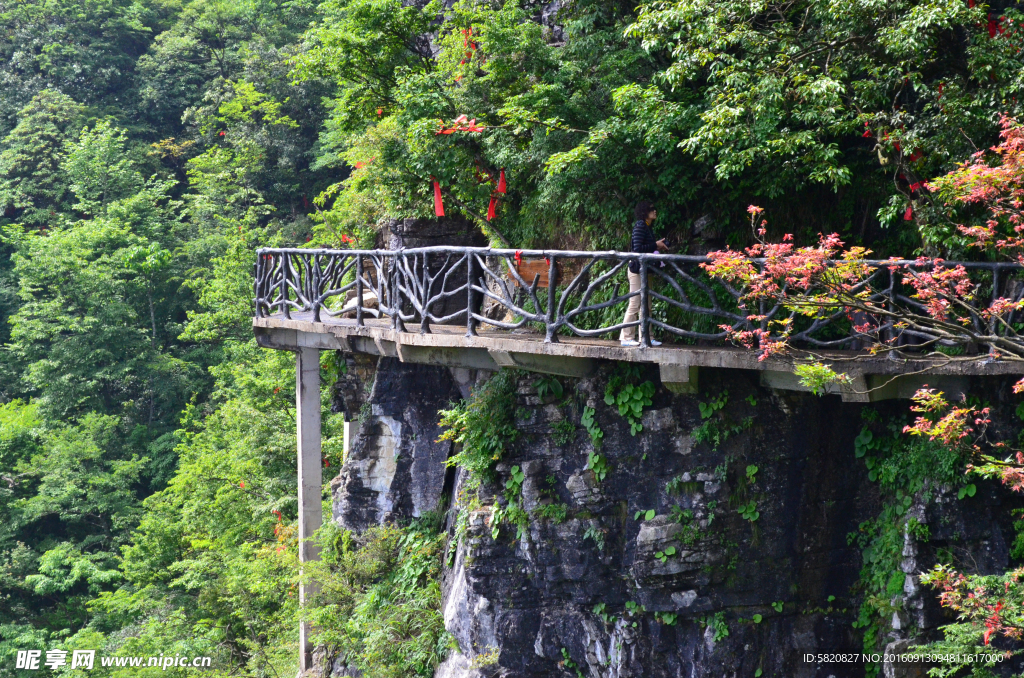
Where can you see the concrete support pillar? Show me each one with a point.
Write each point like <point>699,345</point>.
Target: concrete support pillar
<point>347,442</point>
<point>307,417</point>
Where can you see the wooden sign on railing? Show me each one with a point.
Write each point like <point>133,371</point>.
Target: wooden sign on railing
<point>528,269</point>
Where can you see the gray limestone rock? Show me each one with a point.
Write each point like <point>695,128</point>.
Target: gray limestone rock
<point>592,590</point>
<point>396,466</point>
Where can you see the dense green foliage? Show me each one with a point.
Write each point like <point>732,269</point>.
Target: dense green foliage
<point>380,598</point>
<point>148,485</point>
<point>483,425</point>
<point>825,113</point>
<point>147,490</point>
<point>906,470</point>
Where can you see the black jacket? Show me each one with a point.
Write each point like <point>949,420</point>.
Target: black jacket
<point>642,242</point>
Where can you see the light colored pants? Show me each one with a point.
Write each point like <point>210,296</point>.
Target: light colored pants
<point>633,310</point>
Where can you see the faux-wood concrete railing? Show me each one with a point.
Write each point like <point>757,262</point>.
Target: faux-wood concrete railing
<point>308,300</point>
<point>509,289</point>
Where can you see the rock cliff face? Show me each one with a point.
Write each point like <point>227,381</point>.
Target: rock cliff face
<point>716,544</point>
<point>396,469</point>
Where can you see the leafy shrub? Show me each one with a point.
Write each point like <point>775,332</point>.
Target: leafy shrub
<point>483,426</point>
<point>556,513</point>
<point>379,603</point>
<point>631,400</point>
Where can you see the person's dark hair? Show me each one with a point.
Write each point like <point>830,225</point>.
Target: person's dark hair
<point>643,208</point>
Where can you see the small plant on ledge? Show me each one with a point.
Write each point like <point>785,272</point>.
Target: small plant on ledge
<point>548,386</point>
<point>596,535</point>
<point>629,397</point>
<point>749,511</point>
<point>598,463</point>
<point>563,432</point>
<point>663,556</point>
<point>596,434</point>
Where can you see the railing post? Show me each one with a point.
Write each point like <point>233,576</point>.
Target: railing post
<point>645,310</point>
<point>396,298</point>
<point>891,303</point>
<point>314,286</point>
<point>993,325</point>
<point>470,320</point>
<point>256,271</point>
<point>760,306</point>
<point>425,288</point>
<point>285,268</point>
<point>551,334</point>
<point>359,291</point>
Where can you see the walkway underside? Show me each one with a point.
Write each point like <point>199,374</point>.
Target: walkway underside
<point>873,378</point>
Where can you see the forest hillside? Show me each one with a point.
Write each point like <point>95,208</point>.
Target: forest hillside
<point>148,147</point>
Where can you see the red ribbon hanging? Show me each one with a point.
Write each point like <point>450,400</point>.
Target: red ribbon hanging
<point>501,182</point>
<point>518,256</point>
<point>909,214</point>
<point>438,204</point>
<point>492,208</point>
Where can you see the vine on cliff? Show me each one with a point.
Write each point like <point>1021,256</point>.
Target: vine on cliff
<point>905,469</point>
<point>631,398</point>
<point>482,427</point>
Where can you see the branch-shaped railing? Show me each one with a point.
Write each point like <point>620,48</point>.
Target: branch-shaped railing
<point>584,294</point>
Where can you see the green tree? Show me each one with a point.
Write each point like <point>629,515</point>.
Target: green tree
<point>101,169</point>
<point>858,98</point>
<point>33,183</point>
<point>68,502</point>
<point>85,49</point>
<point>538,96</point>
<point>212,568</point>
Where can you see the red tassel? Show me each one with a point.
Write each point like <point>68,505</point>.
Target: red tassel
<point>909,214</point>
<point>492,208</point>
<point>438,204</point>
<point>501,182</point>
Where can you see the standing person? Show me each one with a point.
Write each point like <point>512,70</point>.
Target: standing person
<point>642,242</point>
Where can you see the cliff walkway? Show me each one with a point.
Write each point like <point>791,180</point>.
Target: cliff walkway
<point>560,311</point>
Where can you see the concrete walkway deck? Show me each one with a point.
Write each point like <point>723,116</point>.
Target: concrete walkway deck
<point>872,377</point>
